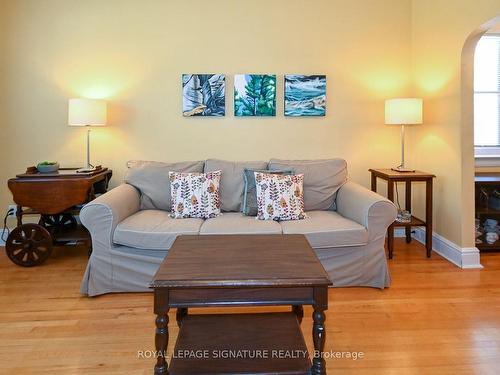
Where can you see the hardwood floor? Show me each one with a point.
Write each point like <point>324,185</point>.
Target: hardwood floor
<point>434,319</point>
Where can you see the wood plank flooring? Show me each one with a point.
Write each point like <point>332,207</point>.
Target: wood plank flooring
<point>435,319</point>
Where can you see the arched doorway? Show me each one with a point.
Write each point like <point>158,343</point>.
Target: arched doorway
<point>467,128</point>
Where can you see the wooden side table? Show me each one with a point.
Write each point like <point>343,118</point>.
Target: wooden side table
<point>57,198</point>
<point>393,177</point>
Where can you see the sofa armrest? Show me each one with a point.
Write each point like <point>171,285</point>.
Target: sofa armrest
<point>102,215</point>
<point>367,208</point>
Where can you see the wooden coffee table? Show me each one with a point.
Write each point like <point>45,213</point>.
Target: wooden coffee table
<point>240,270</point>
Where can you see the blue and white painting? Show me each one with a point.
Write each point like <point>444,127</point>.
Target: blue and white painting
<point>203,95</point>
<point>305,95</point>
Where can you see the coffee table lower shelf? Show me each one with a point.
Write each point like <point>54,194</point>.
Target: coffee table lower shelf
<point>232,344</point>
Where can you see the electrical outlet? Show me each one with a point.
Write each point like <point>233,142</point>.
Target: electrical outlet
<point>12,210</point>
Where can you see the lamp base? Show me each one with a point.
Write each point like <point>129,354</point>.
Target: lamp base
<point>402,169</point>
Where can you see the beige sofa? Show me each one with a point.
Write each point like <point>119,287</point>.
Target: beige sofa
<point>132,231</point>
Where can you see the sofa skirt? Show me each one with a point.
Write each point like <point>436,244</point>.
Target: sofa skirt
<point>125,269</point>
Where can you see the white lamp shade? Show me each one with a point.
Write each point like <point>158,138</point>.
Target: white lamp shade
<point>403,111</point>
<point>87,112</point>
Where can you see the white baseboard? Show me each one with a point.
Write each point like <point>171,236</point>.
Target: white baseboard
<point>463,257</point>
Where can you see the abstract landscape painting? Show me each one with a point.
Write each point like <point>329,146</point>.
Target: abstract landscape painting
<point>254,95</point>
<point>203,95</point>
<point>305,95</point>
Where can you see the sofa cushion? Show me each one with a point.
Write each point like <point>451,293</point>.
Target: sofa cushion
<point>151,179</point>
<point>153,229</point>
<point>237,223</point>
<point>327,229</point>
<point>322,179</point>
<point>232,181</point>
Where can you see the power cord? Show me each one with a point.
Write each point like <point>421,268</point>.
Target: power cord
<point>5,229</point>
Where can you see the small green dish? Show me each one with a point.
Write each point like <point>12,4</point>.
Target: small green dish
<point>48,167</point>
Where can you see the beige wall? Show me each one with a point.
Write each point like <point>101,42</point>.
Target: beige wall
<point>3,117</point>
<point>443,144</point>
<point>134,52</point>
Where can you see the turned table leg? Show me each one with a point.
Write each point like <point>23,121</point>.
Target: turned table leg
<point>319,331</point>
<point>161,342</point>
<point>319,363</point>
<point>161,333</point>
<point>298,310</point>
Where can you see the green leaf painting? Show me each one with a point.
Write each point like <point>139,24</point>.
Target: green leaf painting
<point>254,95</point>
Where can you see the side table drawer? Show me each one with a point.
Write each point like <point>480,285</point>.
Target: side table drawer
<point>240,296</point>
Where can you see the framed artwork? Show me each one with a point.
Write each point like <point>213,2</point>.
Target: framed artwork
<point>254,95</point>
<point>203,95</point>
<point>305,95</point>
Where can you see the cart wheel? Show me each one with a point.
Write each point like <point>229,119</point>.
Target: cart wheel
<point>29,245</point>
<point>58,222</point>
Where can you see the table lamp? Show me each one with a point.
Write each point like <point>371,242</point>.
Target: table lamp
<point>403,111</point>
<point>87,112</point>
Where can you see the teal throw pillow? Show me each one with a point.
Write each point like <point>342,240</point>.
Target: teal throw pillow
<point>249,204</point>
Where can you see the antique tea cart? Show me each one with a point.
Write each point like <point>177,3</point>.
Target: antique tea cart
<point>57,198</point>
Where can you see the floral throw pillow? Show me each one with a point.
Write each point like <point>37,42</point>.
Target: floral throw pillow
<point>249,204</point>
<point>195,194</point>
<point>280,197</point>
